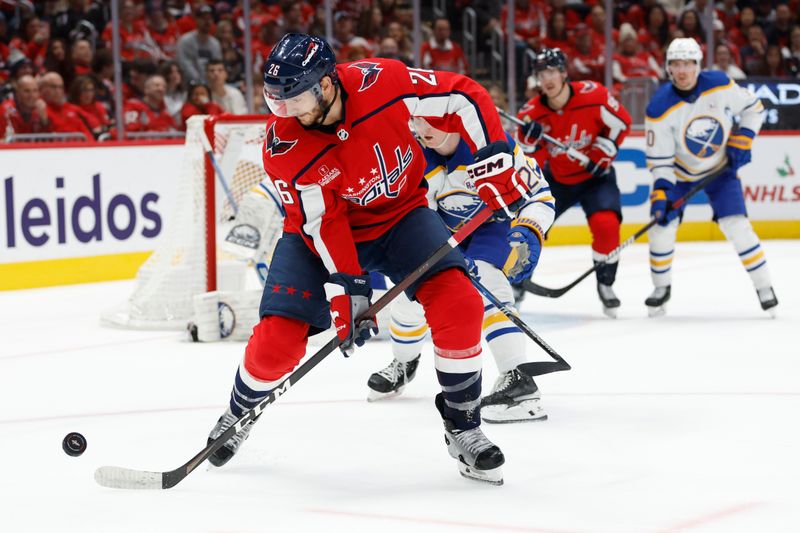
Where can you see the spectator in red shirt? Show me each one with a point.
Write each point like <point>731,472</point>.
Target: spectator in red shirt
<point>132,33</point>
<point>199,103</point>
<point>81,55</point>
<point>728,13</point>
<point>654,35</point>
<point>25,112</point>
<point>441,53</point>
<point>747,18</point>
<point>631,61</point>
<point>163,31</point>
<point>587,62</point>
<point>149,113</point>
<point>530,21</point>
<point>33,41</point>
<point>82,93</point>
<point>557,36</point>
<point>64,117</point>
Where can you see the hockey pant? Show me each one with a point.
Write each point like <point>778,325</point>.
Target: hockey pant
<point>409,330</point>
<point>453,310</point>
<point>737,230</point>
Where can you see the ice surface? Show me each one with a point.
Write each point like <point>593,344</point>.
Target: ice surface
<point>684,423</point>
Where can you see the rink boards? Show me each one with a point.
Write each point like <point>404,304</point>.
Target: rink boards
<point>94,213</point>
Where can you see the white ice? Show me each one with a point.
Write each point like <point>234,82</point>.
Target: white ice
<point>684,423</point>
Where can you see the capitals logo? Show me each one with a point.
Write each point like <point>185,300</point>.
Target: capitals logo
<point>370,73</point>
<point>312,48</point>
<point>704,136</point>
<point>274,145</point>
<point>384,181</point>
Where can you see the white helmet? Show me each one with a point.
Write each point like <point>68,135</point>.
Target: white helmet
<point>684,48</point>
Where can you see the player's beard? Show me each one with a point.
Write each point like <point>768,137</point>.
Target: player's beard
<point>317,116</point>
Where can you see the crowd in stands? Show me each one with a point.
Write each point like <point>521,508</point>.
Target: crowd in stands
<point>182,58</point>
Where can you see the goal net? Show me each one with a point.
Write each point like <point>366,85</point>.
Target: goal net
<point>188,261</point>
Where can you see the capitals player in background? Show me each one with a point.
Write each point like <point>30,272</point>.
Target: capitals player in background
<point>699,124</point>
<point>493,250</point>
<point>350,175</point>
<point>584,117</point>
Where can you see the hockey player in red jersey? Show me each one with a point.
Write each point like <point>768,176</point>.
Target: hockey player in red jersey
<point>350,175</point>
<point>584,117</point>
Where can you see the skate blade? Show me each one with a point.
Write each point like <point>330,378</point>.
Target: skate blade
<point>526,411</point>
<point>610,312</point>
<point>492,477</point>
<point>654,312</point>
<point>375,396</point>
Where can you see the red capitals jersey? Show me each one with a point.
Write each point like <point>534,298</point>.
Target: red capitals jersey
<point>13,121</point>
<point>139,116</point>
<point>592,122</point>
<point>67,118</point>
<point>352,181</point>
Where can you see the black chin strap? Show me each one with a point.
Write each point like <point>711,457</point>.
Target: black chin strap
<point>327,108</point>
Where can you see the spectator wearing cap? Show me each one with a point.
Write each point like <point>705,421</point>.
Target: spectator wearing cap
<point>197,47</point>
<point>588,60</point>
<point>63,116</point>
<point>81,56</point>
<point>163,30</point>
<point>175,96</point>
<point>631,61</point>
<point>85,16</point>
<point>440,52</point>
<point>723,61</point>
<point>149,113</point>
<point>230,99</point>
<point>25,112</point>
<point>198,102</point>
<point>134,42</point>
<point>82,94</point>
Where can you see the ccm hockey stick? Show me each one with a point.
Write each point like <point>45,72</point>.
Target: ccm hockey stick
<point>536,368</point>
<point>538,290</point>
<point>582,158</point>
<point>127,478</point>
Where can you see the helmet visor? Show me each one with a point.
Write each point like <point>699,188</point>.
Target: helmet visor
<point>295,106</point>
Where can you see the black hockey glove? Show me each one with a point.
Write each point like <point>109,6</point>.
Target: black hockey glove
<point>349,297</point>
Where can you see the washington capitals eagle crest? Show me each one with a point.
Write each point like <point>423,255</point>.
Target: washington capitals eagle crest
<point>370,73</point>
<point>275,146</point>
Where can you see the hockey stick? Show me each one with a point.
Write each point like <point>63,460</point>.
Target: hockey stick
<point>126,478</point>
<point>536,368</point>
<point>582,158</point>
<point>538,290</point>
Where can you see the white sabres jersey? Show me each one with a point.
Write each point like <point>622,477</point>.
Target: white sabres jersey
<point>453,195</point>
<point>686,136</point>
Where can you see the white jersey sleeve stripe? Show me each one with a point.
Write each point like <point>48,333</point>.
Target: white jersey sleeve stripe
<point>615,124</point>
<point>453,103</point>
<point>313,205</point>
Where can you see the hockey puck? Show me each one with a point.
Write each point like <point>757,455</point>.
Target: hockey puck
<point>74,444</point>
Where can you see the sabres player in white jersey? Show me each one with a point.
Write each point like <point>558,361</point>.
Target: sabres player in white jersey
<point>515,396</point>
<point>700,124</point>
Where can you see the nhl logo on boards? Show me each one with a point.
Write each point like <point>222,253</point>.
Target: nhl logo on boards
<point>342,134</point>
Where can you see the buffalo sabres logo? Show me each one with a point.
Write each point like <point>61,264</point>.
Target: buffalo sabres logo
<point>704,136</point>
<point>370,71</point>
<point>274,146</point>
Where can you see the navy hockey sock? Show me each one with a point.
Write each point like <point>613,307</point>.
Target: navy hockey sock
<point>460,399</point>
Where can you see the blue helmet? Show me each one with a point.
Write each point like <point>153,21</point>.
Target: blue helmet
<point>550,58</point>
<point>296,64</point>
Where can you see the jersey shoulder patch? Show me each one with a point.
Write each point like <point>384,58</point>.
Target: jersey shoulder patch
<point>663,101</point>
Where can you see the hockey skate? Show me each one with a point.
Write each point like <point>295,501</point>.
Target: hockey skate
<point>608,299</point>
<point>514,398</point>
<point>224,454</point>
<point>768,300</point>
<point>656,302</point>
<point>477,457</point>
<point>391,380</point>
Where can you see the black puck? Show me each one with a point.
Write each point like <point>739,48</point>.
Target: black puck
<point>74,444</point>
